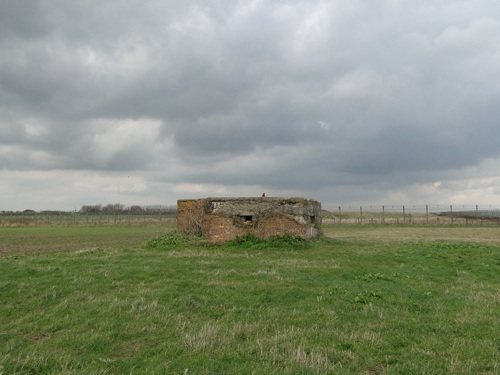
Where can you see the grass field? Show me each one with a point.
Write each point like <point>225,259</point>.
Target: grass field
<point>362,300</point>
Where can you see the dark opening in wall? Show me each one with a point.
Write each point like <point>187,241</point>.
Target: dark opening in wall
<point>312,219</point>
<point>247,218</point>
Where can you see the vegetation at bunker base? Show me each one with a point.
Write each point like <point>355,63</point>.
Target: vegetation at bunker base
<point>175,239</point>
<point>337,305</point>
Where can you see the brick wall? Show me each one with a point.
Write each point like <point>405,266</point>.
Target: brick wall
<point>220,228</point>
<point>281,225</point>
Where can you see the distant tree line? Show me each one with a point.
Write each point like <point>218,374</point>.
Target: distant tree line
<point>118,208</point>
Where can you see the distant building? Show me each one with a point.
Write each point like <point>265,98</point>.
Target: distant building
<point>223,219</point>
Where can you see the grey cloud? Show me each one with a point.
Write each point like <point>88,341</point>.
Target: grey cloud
<point>22,19</point>
<point>11,133</point>
<point>349,93</point>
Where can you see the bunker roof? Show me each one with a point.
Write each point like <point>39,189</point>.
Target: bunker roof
<point>269,199</point>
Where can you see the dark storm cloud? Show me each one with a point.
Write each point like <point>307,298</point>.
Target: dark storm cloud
<point>249,92</point>
<point>22,19</point>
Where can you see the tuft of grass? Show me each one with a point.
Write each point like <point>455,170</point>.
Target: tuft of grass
<point>174,239</point>
<point>285,241</point>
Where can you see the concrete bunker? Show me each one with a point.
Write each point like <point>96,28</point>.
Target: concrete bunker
<point>223,219</point>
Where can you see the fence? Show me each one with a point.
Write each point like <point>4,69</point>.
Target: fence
<point>76,218</point>
<point>414,214</point>
<point>367,214</point>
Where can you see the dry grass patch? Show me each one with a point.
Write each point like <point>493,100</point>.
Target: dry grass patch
<point>385,233</point>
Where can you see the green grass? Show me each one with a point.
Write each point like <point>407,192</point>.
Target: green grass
<point>346,304</point>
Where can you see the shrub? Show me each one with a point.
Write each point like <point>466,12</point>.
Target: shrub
<point>285,241</point>
<point>172,239</point>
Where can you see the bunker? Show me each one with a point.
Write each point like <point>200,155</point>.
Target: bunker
<point>223,219</point>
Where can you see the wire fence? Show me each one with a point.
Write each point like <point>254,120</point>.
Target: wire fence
<point>12,219</point>
<point>340,215</point>
<point>414,214</point>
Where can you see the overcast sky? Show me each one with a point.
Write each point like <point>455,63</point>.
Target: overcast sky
<point>345,101</point>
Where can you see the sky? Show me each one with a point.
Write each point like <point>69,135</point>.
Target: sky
<point>380,102</point>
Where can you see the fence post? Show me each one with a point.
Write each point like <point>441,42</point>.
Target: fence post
<point>340,215</point>
<point>383,214</point>
<point>360,215</point>
<point>404,215</point>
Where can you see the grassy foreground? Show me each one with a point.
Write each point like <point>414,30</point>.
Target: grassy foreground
<point>362,301</point>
